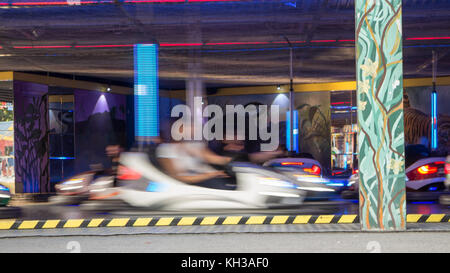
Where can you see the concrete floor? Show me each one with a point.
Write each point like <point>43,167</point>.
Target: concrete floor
<point>419,237</point>
<point>233,242</point>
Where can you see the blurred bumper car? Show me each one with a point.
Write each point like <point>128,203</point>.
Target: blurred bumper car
<point>445,198</point>
<point>95,184</point>
<point>5,196</point>
<point>5,210</point>
<point>144,185</point>
<point>424,180</point>
<point>309,173</point>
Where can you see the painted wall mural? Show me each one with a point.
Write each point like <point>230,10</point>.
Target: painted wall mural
<point>380,114</point>
<point>31,137</point>
<point>315,126</point>
<point>314,119</point>
<point>264,99</point>
<point>7,176</point>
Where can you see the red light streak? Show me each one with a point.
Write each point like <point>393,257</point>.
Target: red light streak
<point>427,169</point>
<point>29,47</point>
<point>181,44</point>
<point>292,163</point>
<point>199,44</point>
<point>340,102</point>
<point>97,46</point>
<point>154,1</point>
<point>323,41</point>
<point>427,38</point>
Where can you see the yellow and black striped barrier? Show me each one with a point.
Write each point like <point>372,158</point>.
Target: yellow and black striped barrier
<point>204,221</point>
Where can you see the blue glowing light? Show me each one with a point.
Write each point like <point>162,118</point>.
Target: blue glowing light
<point>146,90</point>
<point>155,187</point>
<point>345,155</point>
<point>423,202</point>
<point>292,4</point>
<point>335,184</point>
<point>432,188</point>
<point>61,157</point>
<point>434,143</point>
<point>344,107</point>
<point>295,131</point>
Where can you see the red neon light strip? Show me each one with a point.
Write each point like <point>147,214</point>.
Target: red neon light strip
<point>216,0</point>
<point>213,44</point>
<point>97,46</point>
<point>239,43</point>
<point>28,47</point>
<point>182,44</point>
<point>106,1</point>
<point>292,42</point>
<point>323,41</point>
<point>56,3</point>
<point>427,38</point>
<point>154,1</point>
<point>39,3</point>
<point>340,102</point>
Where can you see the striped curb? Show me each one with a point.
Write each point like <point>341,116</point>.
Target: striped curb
<point>204,221</point>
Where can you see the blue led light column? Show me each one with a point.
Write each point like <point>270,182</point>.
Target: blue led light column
<point>434,117</point>
<point>146,91</point>
<point>434,137</point>
<point>294,132</point>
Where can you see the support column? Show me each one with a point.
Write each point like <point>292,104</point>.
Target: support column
<point>146,92</point>
<point>195,87</point>
<point>379,76</point>
<point>31,139</point>
<point>194,97</point>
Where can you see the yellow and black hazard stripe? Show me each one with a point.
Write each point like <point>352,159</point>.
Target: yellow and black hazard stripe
<point>428,218</point>
<point>203,221</point>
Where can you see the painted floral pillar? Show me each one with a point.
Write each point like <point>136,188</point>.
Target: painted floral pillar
<point>379,74</point>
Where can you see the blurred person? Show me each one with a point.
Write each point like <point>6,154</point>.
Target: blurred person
<point>255,155</point>
<point>113,152</point>
<point>191,162</point>
<point>246,150</point>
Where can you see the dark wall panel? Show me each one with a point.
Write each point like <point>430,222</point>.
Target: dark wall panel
<point>100,120</point>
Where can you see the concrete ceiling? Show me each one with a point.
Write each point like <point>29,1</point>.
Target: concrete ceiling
<point>237,43</point>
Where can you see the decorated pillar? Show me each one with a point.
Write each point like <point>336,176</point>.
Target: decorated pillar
<point>379,76</point>
<point>31,138</point>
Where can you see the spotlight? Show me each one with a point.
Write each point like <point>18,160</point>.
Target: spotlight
<point>108,89</point>
<point>278,87</point>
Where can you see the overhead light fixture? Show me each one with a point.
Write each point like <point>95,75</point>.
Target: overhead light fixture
<point>278,87</point>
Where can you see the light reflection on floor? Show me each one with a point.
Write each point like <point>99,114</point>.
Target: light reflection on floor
<point>336,206</point>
